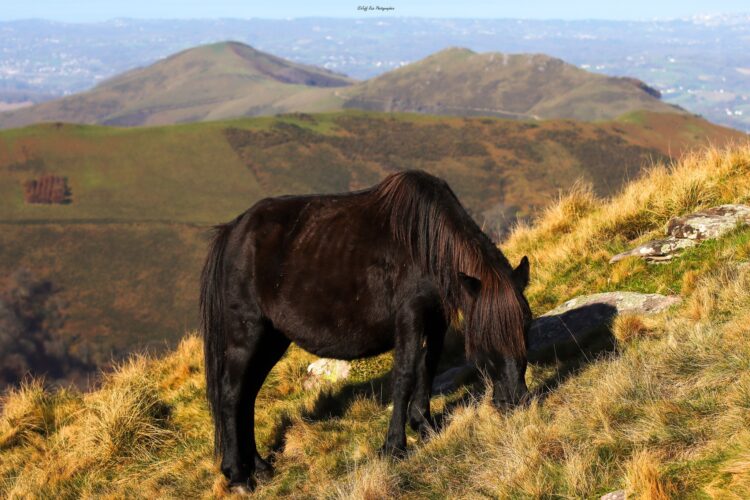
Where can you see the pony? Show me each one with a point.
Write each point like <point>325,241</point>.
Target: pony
<point>353,275</point>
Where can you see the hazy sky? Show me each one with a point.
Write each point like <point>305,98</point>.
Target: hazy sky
<point>98,10</point>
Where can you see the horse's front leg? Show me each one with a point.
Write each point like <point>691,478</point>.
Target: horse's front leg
<point>419,407</point>
<point>408,345</point>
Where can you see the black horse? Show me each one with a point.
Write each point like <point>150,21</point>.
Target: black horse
<point>348,276</point>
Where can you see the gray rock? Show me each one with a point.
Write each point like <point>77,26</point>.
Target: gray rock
<point>453,378</point>
<point>657,250</point>
<point>709,224</point>
<point>583,324</point>
<point>684,232</point>
<point>614,495</point>
<point>326,370</point>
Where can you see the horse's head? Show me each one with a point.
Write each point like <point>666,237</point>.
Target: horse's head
<point>508,370</point>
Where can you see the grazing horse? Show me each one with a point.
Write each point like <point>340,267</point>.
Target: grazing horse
<point>348,276</point>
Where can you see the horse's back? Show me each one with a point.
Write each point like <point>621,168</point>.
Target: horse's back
<point>325,271</point>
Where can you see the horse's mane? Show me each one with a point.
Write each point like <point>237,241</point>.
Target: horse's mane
<point>425,215</point>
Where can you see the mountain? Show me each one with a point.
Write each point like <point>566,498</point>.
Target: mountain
<point>205,83</point>
<point>459,81</point>
<point>230,79</point>
<point>121,255</point>
<point>699,63</point>
<point>666,414</point>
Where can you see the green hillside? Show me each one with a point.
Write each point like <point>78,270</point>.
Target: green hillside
<point>666,415</point>
<point>462,82</point>
<point>125,254</point>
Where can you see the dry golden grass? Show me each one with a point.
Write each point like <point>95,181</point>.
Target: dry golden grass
<point>665,416</point>
<point>598,228</point>
<point>643,479</point>
<point>628,327</point>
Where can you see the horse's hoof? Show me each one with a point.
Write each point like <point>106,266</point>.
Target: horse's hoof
<point>394,452</point>
<point>263,469</point>
<point>264,475</point>
<point>242,489</point>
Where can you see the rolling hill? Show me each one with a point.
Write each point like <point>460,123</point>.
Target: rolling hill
<point>125,253</point>
<point>459,81</point>
<point>205,83</point>
<point>230,79</point>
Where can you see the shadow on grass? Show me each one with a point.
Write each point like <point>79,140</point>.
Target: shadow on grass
<point>333,402</point>
<point>570,341</point>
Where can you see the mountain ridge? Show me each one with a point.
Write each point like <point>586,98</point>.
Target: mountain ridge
<point>231,79</point>
<point>184,87</point>
<point>460,81</point>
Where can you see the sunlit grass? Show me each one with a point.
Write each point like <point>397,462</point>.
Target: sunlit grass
<point>667,415</point>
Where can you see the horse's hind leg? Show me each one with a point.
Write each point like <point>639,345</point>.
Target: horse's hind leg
<point>254,347</point>
<point>419,407</point>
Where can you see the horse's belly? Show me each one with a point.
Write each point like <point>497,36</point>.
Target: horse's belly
<point>344,341</point>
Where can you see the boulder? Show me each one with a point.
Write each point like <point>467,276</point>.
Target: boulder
<point>614,495</point>
<point>453,378</point>
<point>686,231</point>
<point>709,224</point>
<point>583,324</point>
<point>326,370</point>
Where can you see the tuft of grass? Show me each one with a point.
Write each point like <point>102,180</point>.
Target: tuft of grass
<point>125,420</point>
<point>30,413</point>
<point>373,481</point>
<point>629,327</point>
<point>644,480</point>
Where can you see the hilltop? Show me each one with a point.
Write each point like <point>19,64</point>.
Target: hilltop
<point>664,415</point>
<point>230,79</point>
<point>459,81</point>
<point>123,257</point>
<point>209,82</point>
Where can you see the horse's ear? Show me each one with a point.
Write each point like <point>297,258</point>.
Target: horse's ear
<point>471,284</point>
<point>521,274</point>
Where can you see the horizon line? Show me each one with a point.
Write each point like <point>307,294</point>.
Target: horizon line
<point>704,16</point>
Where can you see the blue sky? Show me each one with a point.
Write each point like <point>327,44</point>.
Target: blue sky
<point>98,10</point>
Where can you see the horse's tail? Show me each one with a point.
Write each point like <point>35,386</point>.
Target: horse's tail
<point>213,324</point>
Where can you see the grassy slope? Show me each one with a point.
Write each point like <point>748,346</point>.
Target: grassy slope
<point>143,197</point>
<point>197,173</point>
<point>461,82</point>
<point>665,416</point>
<point>125,286</point>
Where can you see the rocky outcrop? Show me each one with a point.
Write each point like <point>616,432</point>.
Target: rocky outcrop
<point>583,323</point>
<point>688,230</point>
<point>657,250</point>
<point>709,224</point>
